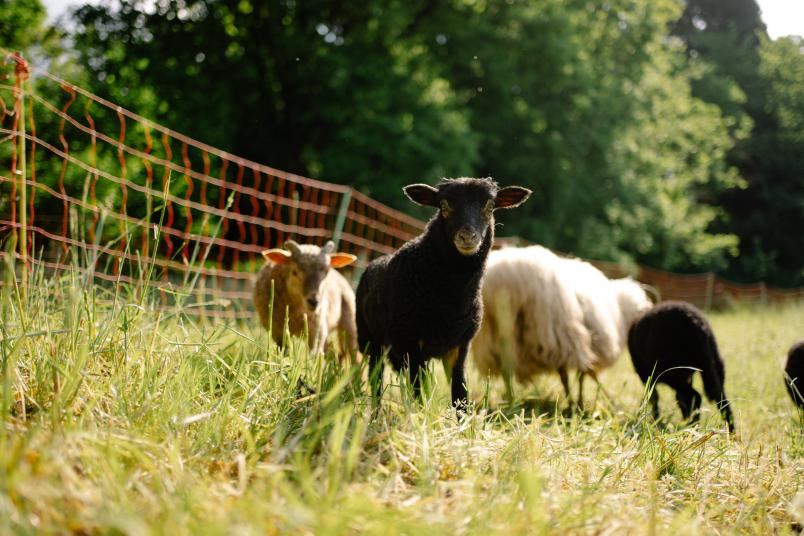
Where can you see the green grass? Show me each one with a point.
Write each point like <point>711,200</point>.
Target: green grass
<point>120,419</point>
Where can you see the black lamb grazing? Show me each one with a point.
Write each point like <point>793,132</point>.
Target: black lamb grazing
<point>423,301</point>
<point>794,371</point>
<point>666,342</point>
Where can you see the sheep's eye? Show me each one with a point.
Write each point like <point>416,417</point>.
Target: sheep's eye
<point>294,271</point>
<point>446,210</point>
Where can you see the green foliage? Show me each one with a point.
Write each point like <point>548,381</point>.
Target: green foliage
<point>755,82</point>
<point>547,94</point>
<point>21,23</point>
<point>770,213</point>
<point>593,109</point>
<point>304,86</point>
<point>782,68</point>
<point>673,162</point>
<point>637,148</point>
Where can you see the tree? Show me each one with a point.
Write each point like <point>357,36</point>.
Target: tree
<point>309,87</point>
<point>673,166</point>
<point>748,76</point>
<point>593,109</point>
<point>769,214</point>
<point>21,23</point>
<point>590,106</point>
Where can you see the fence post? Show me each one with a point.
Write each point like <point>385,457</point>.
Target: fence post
<point>294,213</point>
<point>20,76</point>
<point>340,221</point>
<point>710,286</point>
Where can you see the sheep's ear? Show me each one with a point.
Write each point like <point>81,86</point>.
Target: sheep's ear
<point>277,256</point>
<point>339,260</point>
<point>293,247</point>
<point>511,196</point>
<point>422,194</point>
<point>652,292</point>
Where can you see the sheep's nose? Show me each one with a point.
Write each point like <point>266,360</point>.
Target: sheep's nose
<point>312,302</point>
<point>467,236</point>
<point>467,241</point>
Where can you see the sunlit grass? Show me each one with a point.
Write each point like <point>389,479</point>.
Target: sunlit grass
<point>117,417</point>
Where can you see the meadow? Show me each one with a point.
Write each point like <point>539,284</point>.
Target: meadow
<point>119,417</point>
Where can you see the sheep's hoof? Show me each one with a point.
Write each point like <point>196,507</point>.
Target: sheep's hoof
<point>568,411</point>
<point>301,385</point>
<point>461,408</point>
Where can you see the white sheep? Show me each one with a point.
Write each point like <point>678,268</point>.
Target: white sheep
<point>543,312</point>
<point>315,296</point>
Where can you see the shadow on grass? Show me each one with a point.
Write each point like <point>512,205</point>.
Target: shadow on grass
<point>559,410</point>
<point>534,406</point>
<point>554,407</point>
<point>552,410</point>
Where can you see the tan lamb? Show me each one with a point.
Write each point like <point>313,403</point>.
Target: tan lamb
<point>314,296</point>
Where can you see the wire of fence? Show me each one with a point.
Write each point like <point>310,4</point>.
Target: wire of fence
<point>81,174</point>
<point>86,184</point>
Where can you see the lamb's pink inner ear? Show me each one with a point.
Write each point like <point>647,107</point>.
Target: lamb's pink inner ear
<point>511,196</point>
<point>339,260</point>
<point>277,256</point>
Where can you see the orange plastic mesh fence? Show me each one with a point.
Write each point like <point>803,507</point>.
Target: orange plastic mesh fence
<point>108,186</point>
<point>87,185</point>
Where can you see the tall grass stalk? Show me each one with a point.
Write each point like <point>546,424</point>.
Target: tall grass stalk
<point>120,417</point>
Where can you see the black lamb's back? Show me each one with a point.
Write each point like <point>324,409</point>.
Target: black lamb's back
<point>670,339</point>
<point>668,343</point>
<point>794,369</point>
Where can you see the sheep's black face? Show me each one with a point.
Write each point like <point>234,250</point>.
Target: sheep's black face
<point>468,214</point>
<point>466,207</point>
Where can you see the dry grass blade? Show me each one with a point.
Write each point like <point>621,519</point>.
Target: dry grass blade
<point>123,419</point>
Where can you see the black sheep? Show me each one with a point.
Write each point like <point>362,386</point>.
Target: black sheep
<point>794,373</point>
<point>423,301</point>
<point>666,342</point>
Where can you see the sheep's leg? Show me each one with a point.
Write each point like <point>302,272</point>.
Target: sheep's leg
<point>322,343</point>
<point>581,377</point>
<point>448,361</point>
<point>725,410</point>
<point>338,346</point>
<point>459,392</point>
<point>695,407</point>
<point>593,375</point>
<point>337,343</point>
<point>416,371</point>
<point>689,401</point>
<point>562,373</point>
<point>348,337</point>
<point>713,386</point>
<point>376,373</point>
<point>350,344</point>
<point>654,402</point>
<point>509,386</point>
<point>506,372</point>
